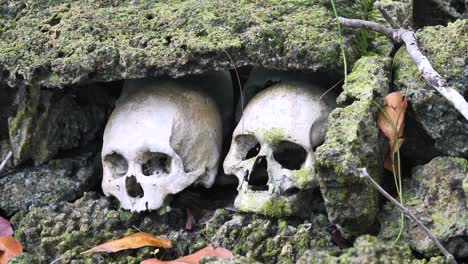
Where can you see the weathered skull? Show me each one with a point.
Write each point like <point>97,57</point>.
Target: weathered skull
<point>163,136</point>
<point>272,147</point>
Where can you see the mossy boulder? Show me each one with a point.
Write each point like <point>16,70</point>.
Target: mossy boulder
<point>59,180</point>
<point>353,141</point>
<point>367,249</point>
<point>400,10</point>
<point>64,230</point>
<point>47,122</point>
<point>56,43</point>
<point>264,239</point>
<point>436,195</point>
<point>445,47</point>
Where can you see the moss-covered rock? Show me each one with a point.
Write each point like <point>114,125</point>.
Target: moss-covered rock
<point>65,230</point>
<point>366,249</point>
<point>445,47</point>
<point>400,10</point>
<point>352,141</point>
<point>436,196</point>
<point>264,239</point>
<point>235,260</point>
<point>55,43</point>
<point>59,180</point>
<point>47,122</point>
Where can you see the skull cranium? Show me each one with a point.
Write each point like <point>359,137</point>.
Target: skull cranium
<point>163,136</point>
<point>272,147</point>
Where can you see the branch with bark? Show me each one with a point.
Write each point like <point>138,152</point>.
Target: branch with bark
<point>408,37</point>
<point>363,173</point>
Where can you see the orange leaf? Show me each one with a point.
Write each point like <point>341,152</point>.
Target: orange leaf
<point>195,257</point>
<point>137,240</point>
<point>395,105</point>
<point>9,248</point>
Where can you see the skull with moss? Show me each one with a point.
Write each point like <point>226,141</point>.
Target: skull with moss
<point>272,149</point>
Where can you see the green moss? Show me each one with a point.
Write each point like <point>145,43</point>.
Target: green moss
<point>351,142</point>
<point>445,56</point>
<point>282,225</point>
<point>273,136</point>
<point>463,163</point>
<point>119,40</point>
<point>125,216</point>
<point>276,207</point>
<point>302,176</point>
<point>370,77</point>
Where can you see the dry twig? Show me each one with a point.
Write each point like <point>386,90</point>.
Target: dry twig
<point>363,173</point>
<point>4,162</point>
<point>408,37</point>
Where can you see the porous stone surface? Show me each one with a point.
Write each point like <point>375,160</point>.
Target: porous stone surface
<point>55,43</point>
<point>437,195</point>
<point>66,229</point>
<point>47,122</point>
<point>366,249</point>
<point>445,47</point>
<point>265,239</point>
<point>59,180</point>
<point>353,141</point>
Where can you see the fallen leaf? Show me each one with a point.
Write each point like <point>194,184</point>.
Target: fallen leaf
<point>137,240</point>
<point>395,105</point>
<point>9,248</point>
<point>195,257</point>
<point>5,227</point>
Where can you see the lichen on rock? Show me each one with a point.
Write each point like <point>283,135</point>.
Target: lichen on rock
<point>352,141</point>
<point>59,180</point>
<point>366,249</point>
<point>436,196</point>
<point>65,230</point>
<point>445,47</point>
<point>265,239</point>
<point>47,122</point>
<point>43,43</point>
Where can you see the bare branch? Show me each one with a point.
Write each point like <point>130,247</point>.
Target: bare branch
<point>431,76</point>
<point>386,15</point>
<point>405,211</point>
<point>374,26</point>
<point>4,162</point>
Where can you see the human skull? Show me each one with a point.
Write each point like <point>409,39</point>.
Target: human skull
<point>163,136</point>
<point>272,147</point>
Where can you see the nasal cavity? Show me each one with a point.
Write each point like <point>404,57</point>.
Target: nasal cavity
<point>258,178</point>
<point>133,188</point>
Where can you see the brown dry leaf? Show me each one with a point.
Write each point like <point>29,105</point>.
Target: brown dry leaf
<point>137,240</point>
<point>9,248</point>
<point>195,257</point>
<point>395,105</point>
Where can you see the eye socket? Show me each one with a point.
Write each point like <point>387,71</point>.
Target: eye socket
<point>248,146</point>
<point>290,155</point>
<point>118,164</point>
<point>156,163</point>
